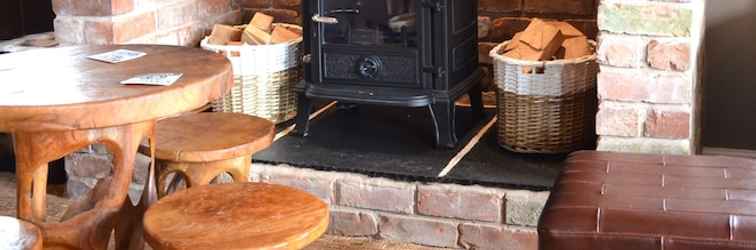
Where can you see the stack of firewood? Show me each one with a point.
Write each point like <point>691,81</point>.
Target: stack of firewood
<point>259,31</point>
<point>548,40</point>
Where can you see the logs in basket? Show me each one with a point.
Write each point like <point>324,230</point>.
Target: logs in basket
<point>545,107</point>
<point>264,78</point>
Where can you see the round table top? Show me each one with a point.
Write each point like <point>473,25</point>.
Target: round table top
<point>236,216</point>
<point>18,234</point>
<point>61,89</point>
<point>206,137</point>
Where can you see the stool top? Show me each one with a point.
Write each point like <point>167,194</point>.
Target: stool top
<point>205,137</point>
<point>19,235</point>
<point>236,216</point>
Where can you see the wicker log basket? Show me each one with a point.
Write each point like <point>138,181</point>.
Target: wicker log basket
<point>264,78</point>
<point>544,107</point>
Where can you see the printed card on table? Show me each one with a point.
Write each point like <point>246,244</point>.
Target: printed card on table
<point>155,79</point>
<point>118,56</point>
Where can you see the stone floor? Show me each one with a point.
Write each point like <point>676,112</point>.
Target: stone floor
<point>57,207</point>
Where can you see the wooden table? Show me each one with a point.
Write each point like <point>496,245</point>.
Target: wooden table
<point>55,101</point>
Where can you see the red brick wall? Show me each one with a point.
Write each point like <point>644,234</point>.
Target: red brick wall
<point>509,16</point>
<point>284,10</point>
<point>184,22</point>
<point>179,22</point>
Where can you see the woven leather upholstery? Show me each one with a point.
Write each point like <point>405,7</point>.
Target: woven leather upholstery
<point>629,201</point>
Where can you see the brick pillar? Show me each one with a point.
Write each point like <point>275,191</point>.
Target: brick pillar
<point>648,85</point>
<point>180,22</point>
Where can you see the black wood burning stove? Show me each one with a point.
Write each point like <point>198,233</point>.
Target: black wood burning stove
<point>412,53</point>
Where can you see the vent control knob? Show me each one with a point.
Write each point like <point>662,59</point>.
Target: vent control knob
<point>370,67</point>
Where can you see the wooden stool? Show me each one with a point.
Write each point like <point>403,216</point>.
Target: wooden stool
<point>236,216</point>
<point>19,235</point>
<point>201,146</point>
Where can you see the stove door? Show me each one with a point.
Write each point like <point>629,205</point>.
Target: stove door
<point>368,42</point>
<point>456,32</point>
<point>369,22</point>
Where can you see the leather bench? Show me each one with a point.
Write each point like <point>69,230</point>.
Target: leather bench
<point>632,201</point>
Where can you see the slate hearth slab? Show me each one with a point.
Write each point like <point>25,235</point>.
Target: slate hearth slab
<point>489,164</point>
<point>382,141</point>
<point>397,143</point>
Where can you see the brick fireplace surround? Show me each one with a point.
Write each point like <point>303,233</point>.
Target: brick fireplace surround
<point>649,91</point>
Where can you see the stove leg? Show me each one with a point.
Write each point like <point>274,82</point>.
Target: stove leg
<point>476,102</point>
<point>304,107</point>
<point>443,120</point>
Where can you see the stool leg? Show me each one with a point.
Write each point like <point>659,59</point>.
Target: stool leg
<point>173,185</point>
<point>90,229</point>
<point>164,169</point>
<point>161,176</point>
<point>239,169</point>
<point>202,173</point>
<point>194,174</point>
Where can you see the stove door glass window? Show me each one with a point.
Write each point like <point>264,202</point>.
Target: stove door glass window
<point>370,22</point>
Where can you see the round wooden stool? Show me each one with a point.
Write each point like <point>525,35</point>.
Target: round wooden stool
<point>201,146</point>
<point>19,235</point>
<point>236,216</point>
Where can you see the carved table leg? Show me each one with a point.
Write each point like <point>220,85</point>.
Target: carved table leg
<point>90,229</point>
<point>129,232</point>
<point>31,192</point>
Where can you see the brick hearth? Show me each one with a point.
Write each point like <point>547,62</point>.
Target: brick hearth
<point>439,215</point>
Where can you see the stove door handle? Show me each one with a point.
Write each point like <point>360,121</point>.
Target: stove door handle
<point>344,11</point>
<point>325,19</point>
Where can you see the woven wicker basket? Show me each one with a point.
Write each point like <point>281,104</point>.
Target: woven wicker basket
<point>544,107</point>
<point>264,78</point>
